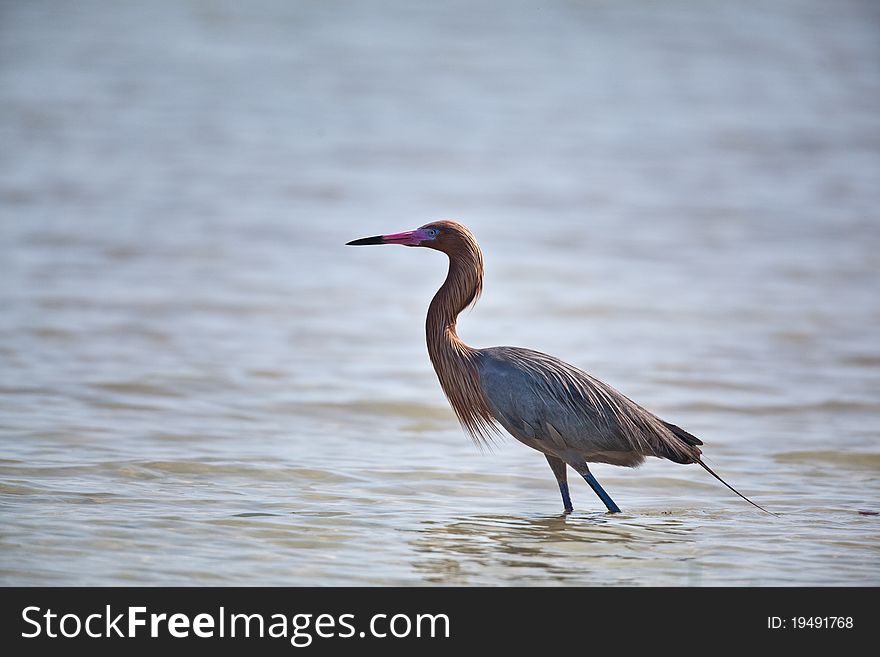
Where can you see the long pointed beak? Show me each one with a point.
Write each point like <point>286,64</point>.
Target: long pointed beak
<point>409,238</point>
<point>366,241</point>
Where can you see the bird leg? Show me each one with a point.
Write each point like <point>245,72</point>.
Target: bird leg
<point>584,471</point>
<point>558,467</point>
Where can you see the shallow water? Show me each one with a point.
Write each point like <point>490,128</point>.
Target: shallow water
<point>200,385</point>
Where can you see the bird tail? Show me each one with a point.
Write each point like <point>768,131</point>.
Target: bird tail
<point>712,472</point>
<point>684,450</point>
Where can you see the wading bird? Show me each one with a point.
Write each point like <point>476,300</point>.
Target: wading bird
<point>543,402</point>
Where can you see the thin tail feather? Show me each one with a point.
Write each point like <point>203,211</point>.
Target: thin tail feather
<point>711,472</point>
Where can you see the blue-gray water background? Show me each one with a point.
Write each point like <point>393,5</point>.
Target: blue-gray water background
<point>200,385</point>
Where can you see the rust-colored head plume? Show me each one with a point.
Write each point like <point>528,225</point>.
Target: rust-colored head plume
<point>465,264</point>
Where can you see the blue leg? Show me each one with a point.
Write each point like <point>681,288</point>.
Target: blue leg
<point>606,499</point>
<point>566,498</point>
<point>558,466</point>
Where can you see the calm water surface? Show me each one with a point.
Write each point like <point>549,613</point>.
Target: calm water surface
<point>200,385</point>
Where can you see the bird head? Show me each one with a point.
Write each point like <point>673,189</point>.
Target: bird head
<point>444,236</point>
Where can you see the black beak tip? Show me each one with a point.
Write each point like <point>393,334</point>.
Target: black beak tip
<point>366,241</point>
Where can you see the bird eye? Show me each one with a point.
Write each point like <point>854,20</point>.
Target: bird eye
<point>433,232</point>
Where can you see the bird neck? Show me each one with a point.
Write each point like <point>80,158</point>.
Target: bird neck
<point>453,360</point>
<point>460,289</point>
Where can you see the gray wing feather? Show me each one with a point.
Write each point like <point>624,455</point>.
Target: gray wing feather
<point>539,397</point>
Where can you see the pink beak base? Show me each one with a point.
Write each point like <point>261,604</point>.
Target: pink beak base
<point>408,238</point>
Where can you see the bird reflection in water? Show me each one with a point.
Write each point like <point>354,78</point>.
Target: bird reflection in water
<point>562,548</point>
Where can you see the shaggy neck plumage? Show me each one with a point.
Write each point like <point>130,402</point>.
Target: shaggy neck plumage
<point>453,360</point>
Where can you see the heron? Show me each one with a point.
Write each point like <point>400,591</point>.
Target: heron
<point>572,418</point>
